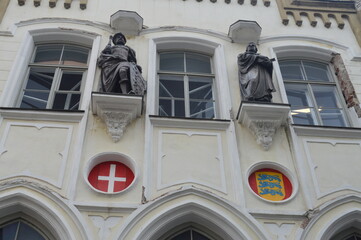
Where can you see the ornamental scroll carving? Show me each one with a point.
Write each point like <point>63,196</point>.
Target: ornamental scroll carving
<point>116,123</point>
<point>264,131</point>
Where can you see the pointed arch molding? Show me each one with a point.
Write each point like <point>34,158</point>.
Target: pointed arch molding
<point>59,217</point>
<point>190,204</point>
<point>333,217</point>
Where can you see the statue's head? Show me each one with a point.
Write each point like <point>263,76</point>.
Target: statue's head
<point>119,38</point>
<point>252,48</point>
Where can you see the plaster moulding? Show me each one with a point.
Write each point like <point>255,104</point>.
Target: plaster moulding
<point>127,22</point>
<point>117,111</point>
<point>244,31</point>
<point>263,119</point>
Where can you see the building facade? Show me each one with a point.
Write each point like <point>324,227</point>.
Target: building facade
<point>189,159</point>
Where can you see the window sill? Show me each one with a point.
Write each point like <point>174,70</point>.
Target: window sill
<point>326,131</point>
<point>195,123</point>
<point>42,114</point>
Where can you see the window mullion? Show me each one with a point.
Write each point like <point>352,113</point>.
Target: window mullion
<point>303,71</point>
<point>186,96</point>
<point>315,105</point>
<point>54,88</point>
<point>61,55</point>
<point>17,231</point>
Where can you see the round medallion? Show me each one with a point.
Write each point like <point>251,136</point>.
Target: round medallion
<point>270,184</point>
<point>111,177</point>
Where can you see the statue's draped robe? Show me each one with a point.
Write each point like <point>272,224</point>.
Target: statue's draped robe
<point>255,76</point>
<point>115,66</point>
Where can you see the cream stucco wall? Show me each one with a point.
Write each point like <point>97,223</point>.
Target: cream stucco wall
<point>199,170</point>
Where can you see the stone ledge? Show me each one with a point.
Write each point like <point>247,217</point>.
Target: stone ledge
<point>117,111</point>
<point>263,119</point>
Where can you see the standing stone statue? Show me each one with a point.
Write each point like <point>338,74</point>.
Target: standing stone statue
<point>255,75</point>
<point>120,72</point>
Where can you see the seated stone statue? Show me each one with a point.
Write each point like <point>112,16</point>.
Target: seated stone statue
<point>119,70</point>
<point>255,75</point>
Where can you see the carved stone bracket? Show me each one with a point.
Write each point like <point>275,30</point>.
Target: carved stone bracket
<point>117,111</point>
<point>263,120</point>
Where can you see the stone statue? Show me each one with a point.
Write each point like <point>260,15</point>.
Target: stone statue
<point>255,75</point>
<point>120,72</point>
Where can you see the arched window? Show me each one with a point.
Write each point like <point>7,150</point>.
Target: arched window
<point>352,233</point>
<point>186,85</point>
<point>313,93</point>
<point>55,76</point>
<point>189,234</point>
<point>353,236</point>
<point>191,231</point>
<point>20,230</point>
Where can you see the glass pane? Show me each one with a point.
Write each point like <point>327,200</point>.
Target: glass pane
<point>316,71</point>
<point>200,88</point>
<point>198,63</point>
<point>40,79</point>
<point>298,95</point>
<point>28,233</point>
<point>67,101</point>
<point>198,236</point>
<point>202,109</point>
<point>171,86</point>
<point>71,81</point>
<point>305,116</point>
<point>75,56</point>
<point>325,96</point>
<point>165,107</point>
<point>34,99</point>
<point>332,117</point>
<point>291,70</point>
<point>8,232</point>
<point>179,110</point>
<point>171,62</point>
<point>174,108</point>
<point>48,54</point>
<point>183,236</point>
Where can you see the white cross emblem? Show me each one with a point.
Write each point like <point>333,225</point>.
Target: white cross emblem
<point>112,178</point>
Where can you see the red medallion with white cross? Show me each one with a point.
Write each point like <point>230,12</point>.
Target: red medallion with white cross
<point>111,177</point>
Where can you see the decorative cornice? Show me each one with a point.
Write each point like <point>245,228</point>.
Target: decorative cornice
<point>41,114</point>
<point>102,26</point>
<point>240,2</point>
<point>52,3</point>
<point>186,29</point>
<point>338,10</point>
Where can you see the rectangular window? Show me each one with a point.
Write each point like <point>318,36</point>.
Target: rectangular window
<point>186,85</point>
<point>55,77</point>
<point>312,93</point>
